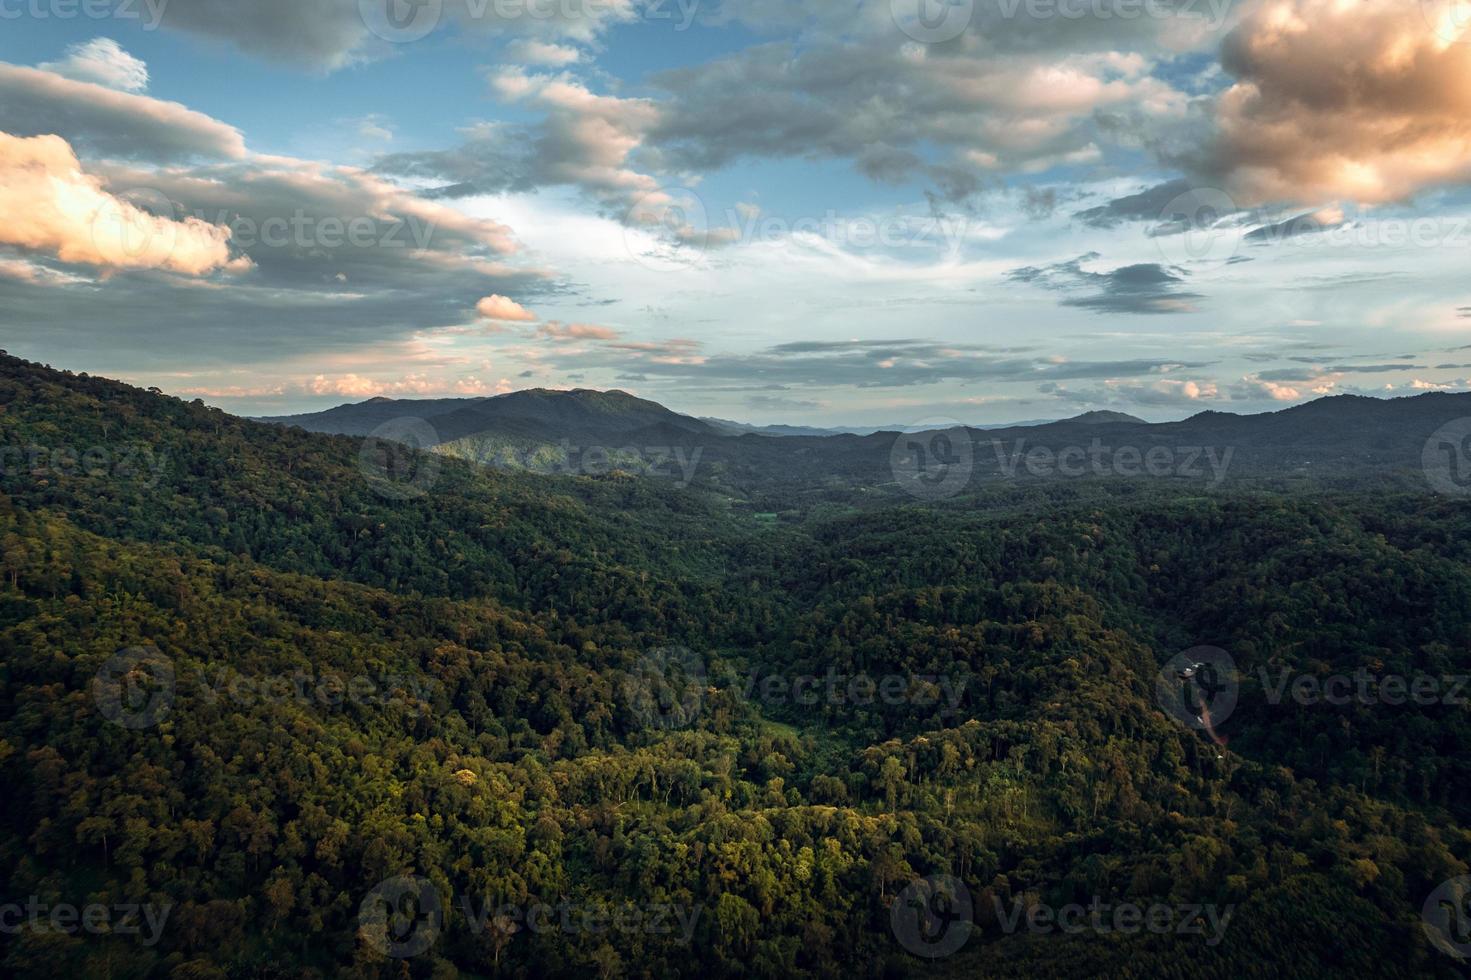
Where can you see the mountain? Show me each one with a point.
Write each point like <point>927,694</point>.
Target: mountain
<point>740,428</point>
<point>534,413</point>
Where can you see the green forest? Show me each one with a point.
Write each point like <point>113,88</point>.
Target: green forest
<point>613,726</point>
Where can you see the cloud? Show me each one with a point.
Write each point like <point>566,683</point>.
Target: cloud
<point>52,207</point>
<point>1362,102</point>
<point>583,140</point>
<point>375,127</point>
<point>497,307</point>
<point>1145,287</point>
<point>1311,223</point>
<point>992,109</point>
<point>330,34</point>
<point>542,53</point>
<point>103,61</point>
<point>575,331</point>
<point>858,363</point>
<point>1163,393</point>
<point>101,121</point>
<point>1146,205</point>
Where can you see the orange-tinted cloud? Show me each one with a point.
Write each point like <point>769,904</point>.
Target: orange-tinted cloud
<point>52,207</point>
<point>1367,101</point>
<point>498,307</point>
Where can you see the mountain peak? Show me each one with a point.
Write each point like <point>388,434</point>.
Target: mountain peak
<point>1100,417</point>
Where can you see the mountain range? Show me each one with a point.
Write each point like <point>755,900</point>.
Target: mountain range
<point>1336,438</point>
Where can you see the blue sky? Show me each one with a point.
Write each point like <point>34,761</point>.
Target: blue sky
<point>788,211</point>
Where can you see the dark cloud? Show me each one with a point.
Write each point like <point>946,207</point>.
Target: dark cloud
<point>99,121</point>
<point>859,364</point>
<point>1311,223</point>
<point>1145,287</point>
<point>329,34</point>
<point>1146,205</point>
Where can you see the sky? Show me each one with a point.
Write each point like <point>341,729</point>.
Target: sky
<point>824,213</point>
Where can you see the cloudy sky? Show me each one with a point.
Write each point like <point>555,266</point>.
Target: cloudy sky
<point>770,210</point>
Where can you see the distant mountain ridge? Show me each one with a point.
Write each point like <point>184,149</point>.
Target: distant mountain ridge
<point>533,413</point>
<point>1336,438</point>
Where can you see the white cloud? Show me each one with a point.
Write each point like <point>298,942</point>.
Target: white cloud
<point>103,61</point>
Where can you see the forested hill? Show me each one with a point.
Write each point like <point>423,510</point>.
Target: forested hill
<point>1337,441</point>
<point>252,674</point>
<point>581,412</point>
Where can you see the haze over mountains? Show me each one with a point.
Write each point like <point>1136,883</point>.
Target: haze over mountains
<point>1342,436</point>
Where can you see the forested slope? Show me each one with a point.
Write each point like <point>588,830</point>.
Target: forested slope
<point>509,636</point>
